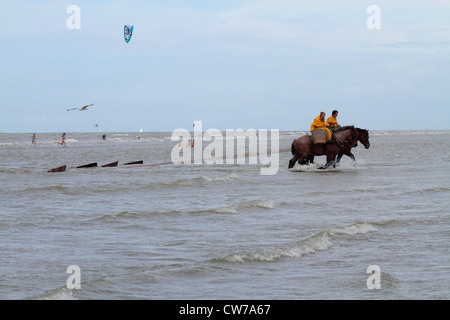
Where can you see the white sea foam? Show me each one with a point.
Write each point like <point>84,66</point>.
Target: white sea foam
<point>357,228</point>
<point>4,144</point>
<point>343,165</point>
<point>246,205</point>
<point>227,210</point>
<point>61,293</point>
<point>227,177</point>
<point>318,242</point>
<point>303,168</point>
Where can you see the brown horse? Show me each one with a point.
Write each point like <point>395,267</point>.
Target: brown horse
<point>302,147</point>
<point>363,136</point>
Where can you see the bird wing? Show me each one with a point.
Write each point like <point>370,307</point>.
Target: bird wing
<point>86,106</point>
<point>82,108</point>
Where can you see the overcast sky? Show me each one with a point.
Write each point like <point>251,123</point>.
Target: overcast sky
<point>261,64</point>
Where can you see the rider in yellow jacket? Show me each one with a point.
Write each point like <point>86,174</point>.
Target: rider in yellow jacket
<point>319,123</point>
<point>331,121</point>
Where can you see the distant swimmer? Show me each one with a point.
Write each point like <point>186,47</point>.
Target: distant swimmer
<point>82,108</point>
<point>63,139</point>
<point>190,143</point>
<point>33,139</point>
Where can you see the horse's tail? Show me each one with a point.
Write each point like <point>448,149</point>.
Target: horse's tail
<point>293,148</point>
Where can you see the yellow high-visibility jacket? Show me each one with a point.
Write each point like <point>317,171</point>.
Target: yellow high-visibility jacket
<point>332,122</point>
<point>318,123</point>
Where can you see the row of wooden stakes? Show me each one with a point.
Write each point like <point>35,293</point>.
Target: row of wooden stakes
<point>94,164</point>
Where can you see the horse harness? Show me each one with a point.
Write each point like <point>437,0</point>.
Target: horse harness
<point>341,145</point>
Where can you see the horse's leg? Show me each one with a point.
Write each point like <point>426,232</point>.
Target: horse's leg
<point>326,165</point>
<point>293,161</point>
<point>331,160</point>
<point>331,163</point>
<point>303,155</point>
<point>351,155</point>
<point>309,159</point>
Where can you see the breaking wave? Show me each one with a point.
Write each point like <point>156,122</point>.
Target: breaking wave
<point>227,177</point>
<point>202,179</point>
<point>245,205</point>
<point>317,242</point>
<point>61,293</point>
<point>130,215</point>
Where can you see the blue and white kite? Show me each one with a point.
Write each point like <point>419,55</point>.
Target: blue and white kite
<point>127,32</point>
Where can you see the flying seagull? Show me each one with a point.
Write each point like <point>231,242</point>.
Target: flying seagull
<point>82,108</point>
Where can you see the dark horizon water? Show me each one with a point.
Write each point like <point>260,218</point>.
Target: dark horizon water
<point>224,231</point>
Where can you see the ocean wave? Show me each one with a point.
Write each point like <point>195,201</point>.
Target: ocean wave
<point>25,225</point>
<point>227,177</point>
<point>317,242</point>
<point>132,215</point>
<point>389,281</point>
<point>10,170</point>
<point>61,293</point>
<point>47,188</point>
<point>202,179</point>
<point>432,190</point>
<point>357,228</point>
<point>117,188</point>
<point>245,205</point>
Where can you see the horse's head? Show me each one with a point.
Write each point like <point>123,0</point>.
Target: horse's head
<point>363,137</point>
<point>346,134</point>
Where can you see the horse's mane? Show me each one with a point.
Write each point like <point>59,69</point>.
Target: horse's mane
<point>343,128</point>
<point>363,130</point>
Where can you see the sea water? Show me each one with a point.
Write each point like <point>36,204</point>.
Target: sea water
<point>223,231</point>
